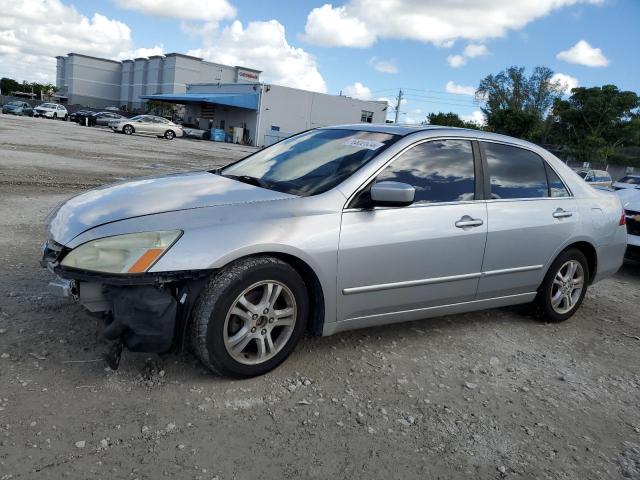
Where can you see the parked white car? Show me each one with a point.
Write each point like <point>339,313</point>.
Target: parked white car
<point>147,124</point>
<point>628,181</point>
<point>596,178</point>
<point>630,198</point>
<point>51,110</point>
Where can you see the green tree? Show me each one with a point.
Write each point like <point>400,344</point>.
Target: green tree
<point>9,85</point>
<point>517,104</point>
<point>450,120</point>
<point>596,121</point>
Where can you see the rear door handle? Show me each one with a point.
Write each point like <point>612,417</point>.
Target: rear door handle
<point>560,213</point>
<point>467,221</point>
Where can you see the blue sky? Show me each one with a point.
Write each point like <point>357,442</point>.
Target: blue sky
<point>339,49</point>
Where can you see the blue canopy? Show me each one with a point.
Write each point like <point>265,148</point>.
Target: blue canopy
<point>240,100</point>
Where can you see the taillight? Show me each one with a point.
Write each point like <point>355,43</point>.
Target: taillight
<point>623,219</point>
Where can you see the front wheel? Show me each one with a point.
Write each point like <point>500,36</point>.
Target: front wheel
<point>169,134</point>
<point>564,286</point>
<point>249,317</point>
<point>127,130</point>
<point>55,116</point>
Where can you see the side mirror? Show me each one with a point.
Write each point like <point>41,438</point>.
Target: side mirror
<point>392,194</point>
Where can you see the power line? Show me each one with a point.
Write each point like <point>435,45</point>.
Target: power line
<point>440,102</point>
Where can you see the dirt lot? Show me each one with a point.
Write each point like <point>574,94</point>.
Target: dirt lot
<point>494,394</point>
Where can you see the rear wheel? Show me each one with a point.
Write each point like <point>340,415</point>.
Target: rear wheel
<point>249,317</point>
<point>169,134</point>
<point>66,117</point>
<point>127,129</point>
<point>564,286</point>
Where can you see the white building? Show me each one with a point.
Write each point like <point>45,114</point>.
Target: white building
<point>100,82</point>
<point>268,113</point>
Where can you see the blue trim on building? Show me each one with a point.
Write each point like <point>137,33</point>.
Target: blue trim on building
<point>240,100</point>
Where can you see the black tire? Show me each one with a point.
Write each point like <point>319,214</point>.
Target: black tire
<point>128,130</point>
<point>543,304</point>
<point>207,325</point>
<point>169,135</point>
<point>55,116</point>
<point>66,118</point>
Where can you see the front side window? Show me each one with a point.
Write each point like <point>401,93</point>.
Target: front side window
<point>312,162</point>
<point>515,172</point>
<point>440,171</point>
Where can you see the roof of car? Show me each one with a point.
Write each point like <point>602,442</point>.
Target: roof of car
<point>391,128</point>
<point>408,129</point>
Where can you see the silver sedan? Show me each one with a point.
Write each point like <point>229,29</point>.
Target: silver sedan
<point>330,230</point>
<point>147,124</point>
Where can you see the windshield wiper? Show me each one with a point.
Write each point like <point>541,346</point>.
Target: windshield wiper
<point>258,182</point>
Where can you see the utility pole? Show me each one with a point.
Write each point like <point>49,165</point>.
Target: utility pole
<point>398,105</point>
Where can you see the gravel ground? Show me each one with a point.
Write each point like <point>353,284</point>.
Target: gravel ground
<point>493,394</point>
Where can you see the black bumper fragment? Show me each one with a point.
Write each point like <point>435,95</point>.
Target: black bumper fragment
<point>144,317</point>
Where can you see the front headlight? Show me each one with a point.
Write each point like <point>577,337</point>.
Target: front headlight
<point>130,253</point>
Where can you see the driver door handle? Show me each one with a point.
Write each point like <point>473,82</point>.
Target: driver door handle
<point>561,213</point>
<point>467,221</point>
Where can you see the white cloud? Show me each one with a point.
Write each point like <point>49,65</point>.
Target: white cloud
<point>452,87</point>
<point>584,54</point>
<point>567,81</point>
<point>476,117</point>
<point>337,26</point>
<point>358,90</point>
<point>209,10</point>
<point>359,23</point>
<point>474,50</point>
<point>383,66</point>
<point>264,46</point>
<point>456,61</point>
<point>33,32</point>
<point>141,52</point>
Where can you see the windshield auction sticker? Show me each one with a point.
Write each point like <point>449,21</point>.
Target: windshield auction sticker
<point>359,143</point>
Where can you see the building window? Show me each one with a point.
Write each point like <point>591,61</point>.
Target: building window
<point>275,128</point>
<point>366,117</point>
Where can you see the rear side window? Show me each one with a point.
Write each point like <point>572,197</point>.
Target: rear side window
<point>515,172</point>
<point>556,187</point>
<point>630,180</point>
<point>440,171</point>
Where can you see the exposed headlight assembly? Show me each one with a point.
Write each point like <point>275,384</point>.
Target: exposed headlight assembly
<point>130,253</point>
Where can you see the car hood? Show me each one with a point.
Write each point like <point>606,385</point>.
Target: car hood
<point>148,196</point>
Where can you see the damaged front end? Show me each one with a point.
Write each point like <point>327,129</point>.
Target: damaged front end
<point>145,312</point>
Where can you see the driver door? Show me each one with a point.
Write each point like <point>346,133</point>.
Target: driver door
<point>396,263</point>
<point>144,125</point>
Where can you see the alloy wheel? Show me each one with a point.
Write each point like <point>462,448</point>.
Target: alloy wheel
<point>567,287</point>
<point>260,322</point>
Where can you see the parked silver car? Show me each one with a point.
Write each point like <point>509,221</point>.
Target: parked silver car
<point>147,124</point>
<point>330,230</point>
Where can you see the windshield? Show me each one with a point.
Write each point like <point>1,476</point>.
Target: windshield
<point>48,105</point>
<point>15,103</point>
<point>312,162</point>
<point>138,117</point>
<point>630,180</point>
